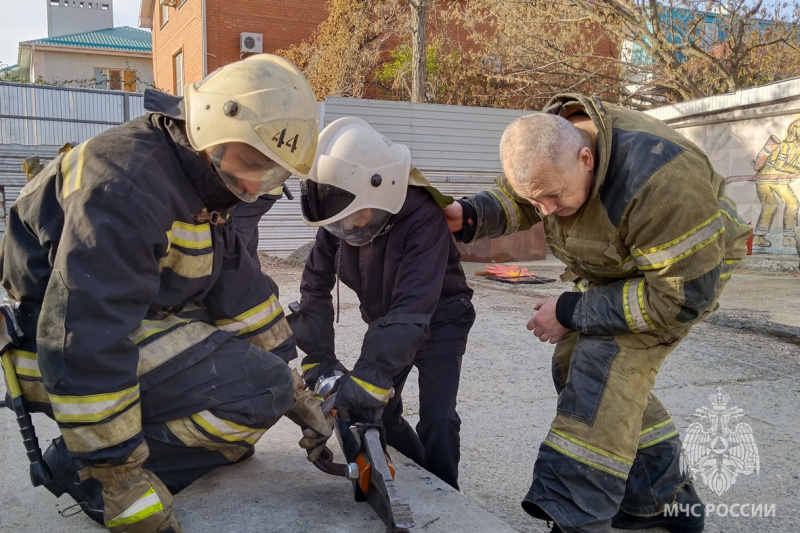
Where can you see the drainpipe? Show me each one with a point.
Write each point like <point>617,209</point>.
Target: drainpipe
<point>205,43</point>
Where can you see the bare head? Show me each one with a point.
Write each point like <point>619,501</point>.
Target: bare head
<point>549,162</point>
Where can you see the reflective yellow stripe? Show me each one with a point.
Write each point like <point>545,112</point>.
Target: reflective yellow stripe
<point>589,455</point>
<point>25,363</point>
<point>72,169</point>
<point>188,266</point>
<point>92,408</point>
<point>252,319</point>
<point>382,395</point>
<point>186,431</point>
<point>685,245</point>
<point>225,429</point>
<point>171,344</point>
<point>193,237</point>
<point>93,437</point>
<point>306,368</point>
<point>148,504</point>
<point>658,433</point>
<point>148,328</point>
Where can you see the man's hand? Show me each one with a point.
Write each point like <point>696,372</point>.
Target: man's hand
<point>454,214</point>
<point>544,323</point>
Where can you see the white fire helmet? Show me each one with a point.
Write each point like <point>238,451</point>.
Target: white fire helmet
<point>263,102</point>
<point>359,179</point>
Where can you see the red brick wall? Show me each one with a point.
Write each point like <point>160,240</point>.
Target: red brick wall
<point>281,23</point>
<point>182,32</point>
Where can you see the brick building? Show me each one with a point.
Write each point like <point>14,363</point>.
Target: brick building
<point>192,38</point>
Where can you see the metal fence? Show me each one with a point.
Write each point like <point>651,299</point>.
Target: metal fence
<point>37,115</point>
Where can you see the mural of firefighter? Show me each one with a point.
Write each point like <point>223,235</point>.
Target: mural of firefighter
<point>777,166</point>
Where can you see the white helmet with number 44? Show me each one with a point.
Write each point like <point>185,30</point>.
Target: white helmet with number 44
<point>257,122</point>
<point>358,180</point>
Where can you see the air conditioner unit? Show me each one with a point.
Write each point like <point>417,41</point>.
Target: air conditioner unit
<point>251,43</point>
<point>168,3</point>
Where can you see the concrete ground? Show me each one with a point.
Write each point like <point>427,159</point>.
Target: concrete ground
<point>750,349</point>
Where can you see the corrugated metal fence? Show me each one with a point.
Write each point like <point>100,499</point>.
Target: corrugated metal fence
<point>455,147</point>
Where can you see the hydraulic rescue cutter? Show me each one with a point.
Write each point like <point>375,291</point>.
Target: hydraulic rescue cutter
<point>368,466</point>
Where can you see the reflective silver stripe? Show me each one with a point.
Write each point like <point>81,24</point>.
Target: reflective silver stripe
<point>672,252</point>
<point>148,504</point>
<point>589,455</point>
<point>148,328</point>
<point>729,210</point>
<point>93,407</point>
<point>173,343</point>
<point>254,318</point>
<point>85,439</point>
<point>25,363</point>
<point>659,432</point>
<point>188,266</point>
<point>190,236</point>
<point>225,429</point>
<point>633,304</point>
<point>509,208</point>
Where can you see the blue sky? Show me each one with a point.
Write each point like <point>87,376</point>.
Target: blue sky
<point>24,20</point>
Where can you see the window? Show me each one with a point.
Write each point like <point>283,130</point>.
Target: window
<point>164,15</point>
<point>115,79</point>
<point>177,64</point>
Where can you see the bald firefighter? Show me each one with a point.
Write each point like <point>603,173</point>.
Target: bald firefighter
<point>642,222</point>
<point>151,335</point>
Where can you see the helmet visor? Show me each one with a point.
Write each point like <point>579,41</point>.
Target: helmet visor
<point>361,227</point>
<point>246,171</point>
<point>320,201</point>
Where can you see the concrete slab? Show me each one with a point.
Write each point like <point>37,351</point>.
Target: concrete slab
<point>276,490</point>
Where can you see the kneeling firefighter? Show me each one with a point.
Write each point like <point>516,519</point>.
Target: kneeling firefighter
<point>152,337</point>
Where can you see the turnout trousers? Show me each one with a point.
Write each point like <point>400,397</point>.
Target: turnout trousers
<point>436,444</point>
<point>612,443</point>
<point>206,398</point>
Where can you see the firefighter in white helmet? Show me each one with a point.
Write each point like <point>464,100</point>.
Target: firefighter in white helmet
<point>384,235</point>
<point>151,336</point>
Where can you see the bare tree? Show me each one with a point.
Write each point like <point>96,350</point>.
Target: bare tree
<point>640,52</point>
<point>419,15</point>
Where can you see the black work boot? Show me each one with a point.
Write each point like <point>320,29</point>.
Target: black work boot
<point>686,515</point>
<point>87,494</point>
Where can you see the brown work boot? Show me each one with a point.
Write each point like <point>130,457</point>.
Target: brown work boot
<point>789,241</point>
<point>760,240</point>
<point>136,501</point>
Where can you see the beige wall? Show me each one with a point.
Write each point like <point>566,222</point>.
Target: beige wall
<point>59,66</point>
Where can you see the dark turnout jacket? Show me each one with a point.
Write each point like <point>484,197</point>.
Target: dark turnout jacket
<point>129,271</point>
<point>408,280</point>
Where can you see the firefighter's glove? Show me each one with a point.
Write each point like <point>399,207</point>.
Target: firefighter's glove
<point>306,412</point>
<point>359,400</point>
<point>313,370</point>
<point>135,500</point>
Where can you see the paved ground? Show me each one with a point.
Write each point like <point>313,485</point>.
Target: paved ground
<point>750,349</point>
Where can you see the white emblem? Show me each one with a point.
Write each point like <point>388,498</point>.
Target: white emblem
<point>723,449</point>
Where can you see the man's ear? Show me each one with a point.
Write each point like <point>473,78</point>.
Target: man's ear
<point>586,158</point>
